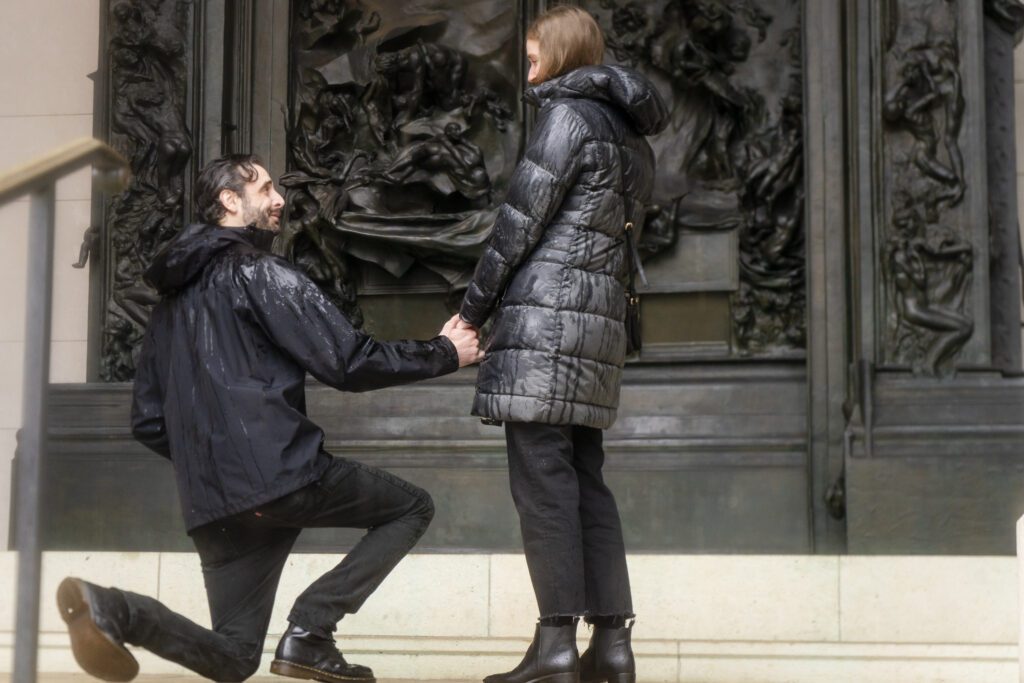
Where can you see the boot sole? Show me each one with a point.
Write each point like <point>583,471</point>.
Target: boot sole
<point>557,678</point>
<point>308,673</point>
<point>613,678</point>
<point>94,651</point>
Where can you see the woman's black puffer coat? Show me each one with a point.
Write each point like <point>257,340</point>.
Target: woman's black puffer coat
<point>555,264</point>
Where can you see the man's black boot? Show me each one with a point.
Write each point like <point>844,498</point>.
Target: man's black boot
<point>301,654</point>
<point>609,657</point>
<point>97,620</point>
<point>551,658</point>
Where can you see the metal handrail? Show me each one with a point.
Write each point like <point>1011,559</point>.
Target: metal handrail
<point>39,179</point>
<point>112,169</point>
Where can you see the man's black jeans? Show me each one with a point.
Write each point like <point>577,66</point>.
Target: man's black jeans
<point>242,558</point>
<point>572,535</point>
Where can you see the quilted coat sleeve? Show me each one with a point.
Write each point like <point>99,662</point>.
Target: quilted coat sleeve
<point>300,320</point>
<point>548,169</point>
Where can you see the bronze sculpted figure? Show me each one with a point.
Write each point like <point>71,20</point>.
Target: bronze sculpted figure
<point>698,44</point>
<point>144,109</point>
<point>926,259</point>
<point>930,268</point>
<point>1009,14</point>
<point>147,81</point>
<point>735,73</point>
<point>928,101</point>
<point>447,161</point>
<point>385,141</point>
<point>421,71</point>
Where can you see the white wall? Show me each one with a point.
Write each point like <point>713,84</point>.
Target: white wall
<point>49,49</point>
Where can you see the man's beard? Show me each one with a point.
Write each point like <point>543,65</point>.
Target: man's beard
<point>264,220</point>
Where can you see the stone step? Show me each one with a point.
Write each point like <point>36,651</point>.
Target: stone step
<point>171,678</point>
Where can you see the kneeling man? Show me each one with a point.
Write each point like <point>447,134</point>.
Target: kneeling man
<point>219,391</point>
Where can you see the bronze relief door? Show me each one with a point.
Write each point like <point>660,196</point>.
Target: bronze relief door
<point>403,122</point>
<point>394,128</point>
<point>864,147</point>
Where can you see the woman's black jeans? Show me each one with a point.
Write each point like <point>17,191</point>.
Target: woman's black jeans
<point>242,558</point>
<point>572,535</point>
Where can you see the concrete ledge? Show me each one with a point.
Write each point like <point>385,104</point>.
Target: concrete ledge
<point>702,618</point>
<point>658,661</point>
<point>845,663</point>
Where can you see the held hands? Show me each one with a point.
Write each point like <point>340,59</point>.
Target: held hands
<point>465,338</point>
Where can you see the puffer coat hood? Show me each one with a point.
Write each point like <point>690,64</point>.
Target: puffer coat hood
<point>631,94</point>
<point>220,381</point>
<point>554,268</point>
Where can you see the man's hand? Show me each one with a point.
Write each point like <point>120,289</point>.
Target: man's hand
<point>465,339</point>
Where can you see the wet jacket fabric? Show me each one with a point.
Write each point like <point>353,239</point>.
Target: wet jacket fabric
<point>220,381</point>
<point>554,268</point>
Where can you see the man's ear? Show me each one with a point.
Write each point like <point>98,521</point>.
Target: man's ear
<point>230,201</point>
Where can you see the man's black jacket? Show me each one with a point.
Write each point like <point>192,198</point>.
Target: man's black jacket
<point>220,381</point>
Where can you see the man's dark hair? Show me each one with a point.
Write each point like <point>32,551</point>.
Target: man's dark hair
<point>229,172</point>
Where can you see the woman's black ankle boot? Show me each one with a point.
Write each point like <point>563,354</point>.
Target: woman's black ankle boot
<point>551,658</point>
<point>609,657</point>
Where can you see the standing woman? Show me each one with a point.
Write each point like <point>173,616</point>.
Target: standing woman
<point>553,275</point>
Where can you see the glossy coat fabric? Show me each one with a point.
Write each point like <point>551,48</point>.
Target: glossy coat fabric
<point>220,381</point>
<point>555,264</point>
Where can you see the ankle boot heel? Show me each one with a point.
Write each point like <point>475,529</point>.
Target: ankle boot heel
<point>560,678</point>
<point>551,658</point>
<point>622,678</point>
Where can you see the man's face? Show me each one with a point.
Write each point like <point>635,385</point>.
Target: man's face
<point>261,204</point>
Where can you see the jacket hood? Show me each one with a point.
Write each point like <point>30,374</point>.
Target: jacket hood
<point>188,253</point>
<point>627,89</point>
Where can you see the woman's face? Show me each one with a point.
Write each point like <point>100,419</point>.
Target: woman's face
<point>534,57</point>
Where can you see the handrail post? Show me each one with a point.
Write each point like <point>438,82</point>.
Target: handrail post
<point>33,437</point>
<point>39,177</point>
